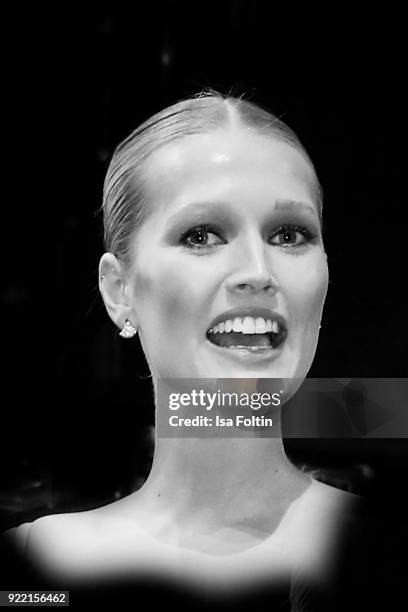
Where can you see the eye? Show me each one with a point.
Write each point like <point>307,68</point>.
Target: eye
<point>291,236</point>
<point>201,236</point>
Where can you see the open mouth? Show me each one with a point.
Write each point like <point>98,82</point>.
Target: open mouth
<point>253,334</point>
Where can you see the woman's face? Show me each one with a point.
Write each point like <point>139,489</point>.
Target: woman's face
<point>231,246</point>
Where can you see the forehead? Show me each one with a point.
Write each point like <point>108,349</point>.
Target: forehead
<point>228,158</point>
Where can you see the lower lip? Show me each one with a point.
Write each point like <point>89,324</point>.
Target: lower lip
<point>248,355</point>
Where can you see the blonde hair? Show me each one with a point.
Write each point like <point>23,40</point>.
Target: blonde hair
<point>125,203</point>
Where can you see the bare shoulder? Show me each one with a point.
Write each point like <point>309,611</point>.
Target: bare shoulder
<point>329,511</point>
<point>327,496</point>
<point>74,545</point>
<point>18,536</point>
<point>44,542</point>
<point>55,542</point>
<point>319,522</point>
<point>59,529</point>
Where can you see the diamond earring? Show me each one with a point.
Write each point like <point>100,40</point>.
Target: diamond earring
<point>128,330</point>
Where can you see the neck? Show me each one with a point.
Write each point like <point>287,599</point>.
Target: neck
<point>227,482</point>
<point>208,484</point>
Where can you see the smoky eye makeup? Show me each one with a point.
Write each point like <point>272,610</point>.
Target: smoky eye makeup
<point>302,221</point>
<point>288,235</point>
<point>205,219</point>
<point>291,236</point>
<point>176,232</point>
<point>204,227</point>
<point>205,235</point>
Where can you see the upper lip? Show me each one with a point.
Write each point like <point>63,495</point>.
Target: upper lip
<point>249,311</point>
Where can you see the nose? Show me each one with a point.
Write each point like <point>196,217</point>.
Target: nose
<point>253,272</point>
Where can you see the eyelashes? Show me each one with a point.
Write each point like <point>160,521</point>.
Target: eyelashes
<point>198,237</point>
<point>288,231</point>
<point>206,236</point>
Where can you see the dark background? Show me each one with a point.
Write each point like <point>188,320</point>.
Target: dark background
<point>77,410</point>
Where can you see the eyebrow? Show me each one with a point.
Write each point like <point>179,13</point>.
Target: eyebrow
<point>197,208</point>
<point>222,208</point>
<point>296,205</point>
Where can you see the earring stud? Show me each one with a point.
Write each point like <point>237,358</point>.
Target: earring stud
<point>128,330</point>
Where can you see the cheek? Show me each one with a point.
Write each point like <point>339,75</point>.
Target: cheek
<point>307,290</point>
<point>169,295</point>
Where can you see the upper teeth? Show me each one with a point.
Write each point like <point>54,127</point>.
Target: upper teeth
<point>246,325</point>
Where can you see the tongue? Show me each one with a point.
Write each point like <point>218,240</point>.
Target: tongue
<point>236,338</point>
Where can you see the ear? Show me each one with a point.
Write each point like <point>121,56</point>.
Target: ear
<point>115,291</point>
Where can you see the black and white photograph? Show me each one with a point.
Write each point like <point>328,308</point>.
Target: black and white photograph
<point>205,330</point>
